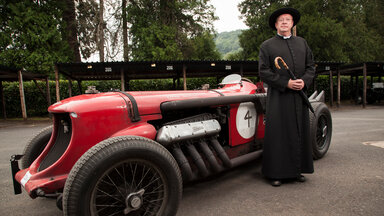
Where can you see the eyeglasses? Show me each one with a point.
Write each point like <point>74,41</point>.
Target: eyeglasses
<point>282,20</point>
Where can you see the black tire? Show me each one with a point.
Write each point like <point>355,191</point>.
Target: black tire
<point>35,146</point>
<point>320,129</point>
<point>110,175</point>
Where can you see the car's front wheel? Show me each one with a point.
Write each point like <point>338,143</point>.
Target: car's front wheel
<point>36,146</point>
<point>124,176</point>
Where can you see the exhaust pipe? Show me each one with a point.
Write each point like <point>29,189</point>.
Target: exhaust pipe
<point>221,153</point>
<point>246,158</point>
<point>183,164</point>
<point>199,162</point>
<point>230,163</point>
<point>202,170</point>
<point>210,157</point>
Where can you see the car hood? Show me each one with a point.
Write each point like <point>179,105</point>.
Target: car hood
<point>89,103</point>
<point>148,102</point>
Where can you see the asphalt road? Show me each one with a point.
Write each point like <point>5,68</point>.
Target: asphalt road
<point>349,180</point>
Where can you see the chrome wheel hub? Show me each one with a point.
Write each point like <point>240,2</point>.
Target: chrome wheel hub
<point>325,131</point>
<point>134,201</point>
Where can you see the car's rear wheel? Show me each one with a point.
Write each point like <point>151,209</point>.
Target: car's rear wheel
<point>124,176</point>
<point>35,147</point>
<point>321,129</point>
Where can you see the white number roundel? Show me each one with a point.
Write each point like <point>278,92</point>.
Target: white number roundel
<point>246,120</point>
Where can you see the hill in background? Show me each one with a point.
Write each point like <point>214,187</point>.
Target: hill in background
<point>228,43</point>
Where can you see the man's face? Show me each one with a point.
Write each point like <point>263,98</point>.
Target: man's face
<point>284,24</point>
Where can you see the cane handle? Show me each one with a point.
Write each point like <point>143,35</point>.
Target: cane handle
<point>277,63</point>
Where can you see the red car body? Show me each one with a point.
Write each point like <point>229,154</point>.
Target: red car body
<point>97,117</point>
<point>128,153</point>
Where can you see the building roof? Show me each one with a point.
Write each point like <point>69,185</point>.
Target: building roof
<point>373,69</point>
<point>10,74</point>
<point>154,69</point>
<point>166,69</point>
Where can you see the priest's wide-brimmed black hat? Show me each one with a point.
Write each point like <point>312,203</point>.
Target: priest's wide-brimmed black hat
<point>294,13</point>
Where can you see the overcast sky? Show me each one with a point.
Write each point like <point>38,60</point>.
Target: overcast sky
<point>228,14</point>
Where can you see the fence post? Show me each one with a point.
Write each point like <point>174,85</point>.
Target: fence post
<point>185,76</point>
<point>57,84</point>
<point>3,100</point>
<point>338,88</point>
<point>22,96</point>
<point>364,85</point>
<point>122,79</point>
<point>331,88</point>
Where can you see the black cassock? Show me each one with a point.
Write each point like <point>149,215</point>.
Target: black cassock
<point>287,151</point>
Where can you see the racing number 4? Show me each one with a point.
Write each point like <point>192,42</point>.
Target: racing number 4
<point>248,118</point>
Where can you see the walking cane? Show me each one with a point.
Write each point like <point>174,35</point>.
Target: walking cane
<point>293,77</point>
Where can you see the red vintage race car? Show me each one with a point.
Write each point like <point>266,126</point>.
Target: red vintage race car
<point>129,153</point>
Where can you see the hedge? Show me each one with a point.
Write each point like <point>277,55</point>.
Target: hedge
<point>37,105</point>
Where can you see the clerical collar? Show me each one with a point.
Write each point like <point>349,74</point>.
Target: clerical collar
<point>284,37</point>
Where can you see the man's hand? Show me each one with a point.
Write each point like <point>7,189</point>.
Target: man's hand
<point>296,84</point>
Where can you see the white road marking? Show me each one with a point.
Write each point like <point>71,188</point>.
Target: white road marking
<point>375,143</point>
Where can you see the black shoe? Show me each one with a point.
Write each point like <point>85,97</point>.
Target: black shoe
<point>301,178</point>
<point>275,183</point>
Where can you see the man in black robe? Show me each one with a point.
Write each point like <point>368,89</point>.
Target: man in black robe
<point>287,152</point>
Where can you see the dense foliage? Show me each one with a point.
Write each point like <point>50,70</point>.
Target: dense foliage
<point>227,43</point>
<point>338,30</point>
<point>171,29</point>
<point>34,34</point>
<point>30,35</point>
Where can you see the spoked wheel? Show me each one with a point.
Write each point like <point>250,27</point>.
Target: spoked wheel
<point>124,176</point>
<point>321,130</point>
<point>133,187</point>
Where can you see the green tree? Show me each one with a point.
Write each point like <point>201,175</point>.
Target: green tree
<point>70,31</point>
<point>100,31</point>
<point>256,15</point>
<point>158,30</point>
<point>167,29</point>
<point>205,47</point>
<point>99,28</point>
<point>228,42</point>
<point>87,24</point>
<point>338,30</point>
<point>125,30</point>
<point>30,35</point>
<point>325,35</point>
